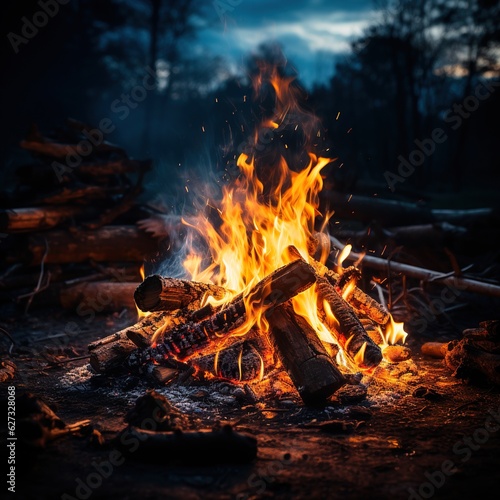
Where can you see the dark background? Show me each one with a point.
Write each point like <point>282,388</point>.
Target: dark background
<point>402,79</point>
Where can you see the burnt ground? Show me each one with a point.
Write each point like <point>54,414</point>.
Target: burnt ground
<point>398,435</point>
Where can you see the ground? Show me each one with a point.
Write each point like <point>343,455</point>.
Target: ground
<point>421,434</point>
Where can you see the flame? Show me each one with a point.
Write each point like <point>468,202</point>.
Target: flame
<point>264,211</point>
<point>343,256</point>
<point>394,333</point>
<point>142,314</point>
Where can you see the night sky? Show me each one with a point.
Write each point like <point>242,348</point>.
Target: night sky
<point>314,33</point>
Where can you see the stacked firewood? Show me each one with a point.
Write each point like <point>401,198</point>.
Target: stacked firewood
<point>69,223</point>
<point>184,331</point>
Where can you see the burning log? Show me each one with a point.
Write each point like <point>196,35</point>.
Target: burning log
<point>159,293</point>
<point>396,353</point>
<point>347,329</point>
<point>273,290</point>
<point>110,352</point>
<point>357,298</point>
<point>303,356</point>
<point>189,447</point>
<point>240,361</point>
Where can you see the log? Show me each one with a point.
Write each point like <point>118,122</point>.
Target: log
<point>305,359</point>
<point>100,296</point>
<point>204,447</point>
<point>117,167</point>
<point>358,299</point>
<point>49,174</point>
<point>426,275</point>
<point>346,327</point>
<point>111,356</point>
<point>273,290</point>
<point>109,243</point>
<point>434,349</point>
<point>396,353</point>
<point>111,352</point>
<point>471,363</point>
<point>160,293</point>
<point>18,220</point>
<point>53,149</point>
<point>155,324</point>
<point>394,213</point>
<point>81,194</point>
<point>242,361</point>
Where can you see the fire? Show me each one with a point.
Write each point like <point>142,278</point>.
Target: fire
<point>141,314</point>
<point>264,212</point>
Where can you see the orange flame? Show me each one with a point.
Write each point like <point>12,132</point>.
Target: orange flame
<point>263,213</point>
<point>142,314</point>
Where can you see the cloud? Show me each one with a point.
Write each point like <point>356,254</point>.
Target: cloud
<point>308,31</point>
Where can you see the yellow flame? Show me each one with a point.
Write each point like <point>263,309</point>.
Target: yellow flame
<point>343,256</point>
<point>394,332</point>
<point>348,289</point>
<point>264,211</point>
<point>142,314</point>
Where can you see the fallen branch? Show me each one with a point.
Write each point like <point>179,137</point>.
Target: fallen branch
<point>426,275</point>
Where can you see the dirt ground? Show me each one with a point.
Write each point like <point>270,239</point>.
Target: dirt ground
<point>424,435</point>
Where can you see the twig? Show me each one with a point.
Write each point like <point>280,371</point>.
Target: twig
<point>40,277</point>
<point>7,334</point>
<point>69,360</point>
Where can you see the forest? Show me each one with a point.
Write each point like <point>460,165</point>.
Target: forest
<point>410,111</point>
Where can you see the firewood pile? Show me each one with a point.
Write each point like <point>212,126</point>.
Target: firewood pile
<point>182,332</point>
<point>69,224</point>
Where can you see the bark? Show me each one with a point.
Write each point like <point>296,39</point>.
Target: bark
<point>305,359</point>
<point>273,290</point>
<point>159,293</point>
<point>109,243</point>
<point>18,220</point>
<point>347,328</point>
<point>454,282</point>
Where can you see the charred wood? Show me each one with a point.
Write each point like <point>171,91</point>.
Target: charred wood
<point>346,327</point>
<point>189,447</point>
<point>159,293</point>
<point>273,290</point>
<point>305,359</point>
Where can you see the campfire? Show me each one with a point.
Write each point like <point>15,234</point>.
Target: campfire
<point>257,293</point>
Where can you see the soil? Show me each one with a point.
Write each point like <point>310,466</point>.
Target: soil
<point>415,433</point>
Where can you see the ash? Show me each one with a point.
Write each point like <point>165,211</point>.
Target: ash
<point>272,400</point>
